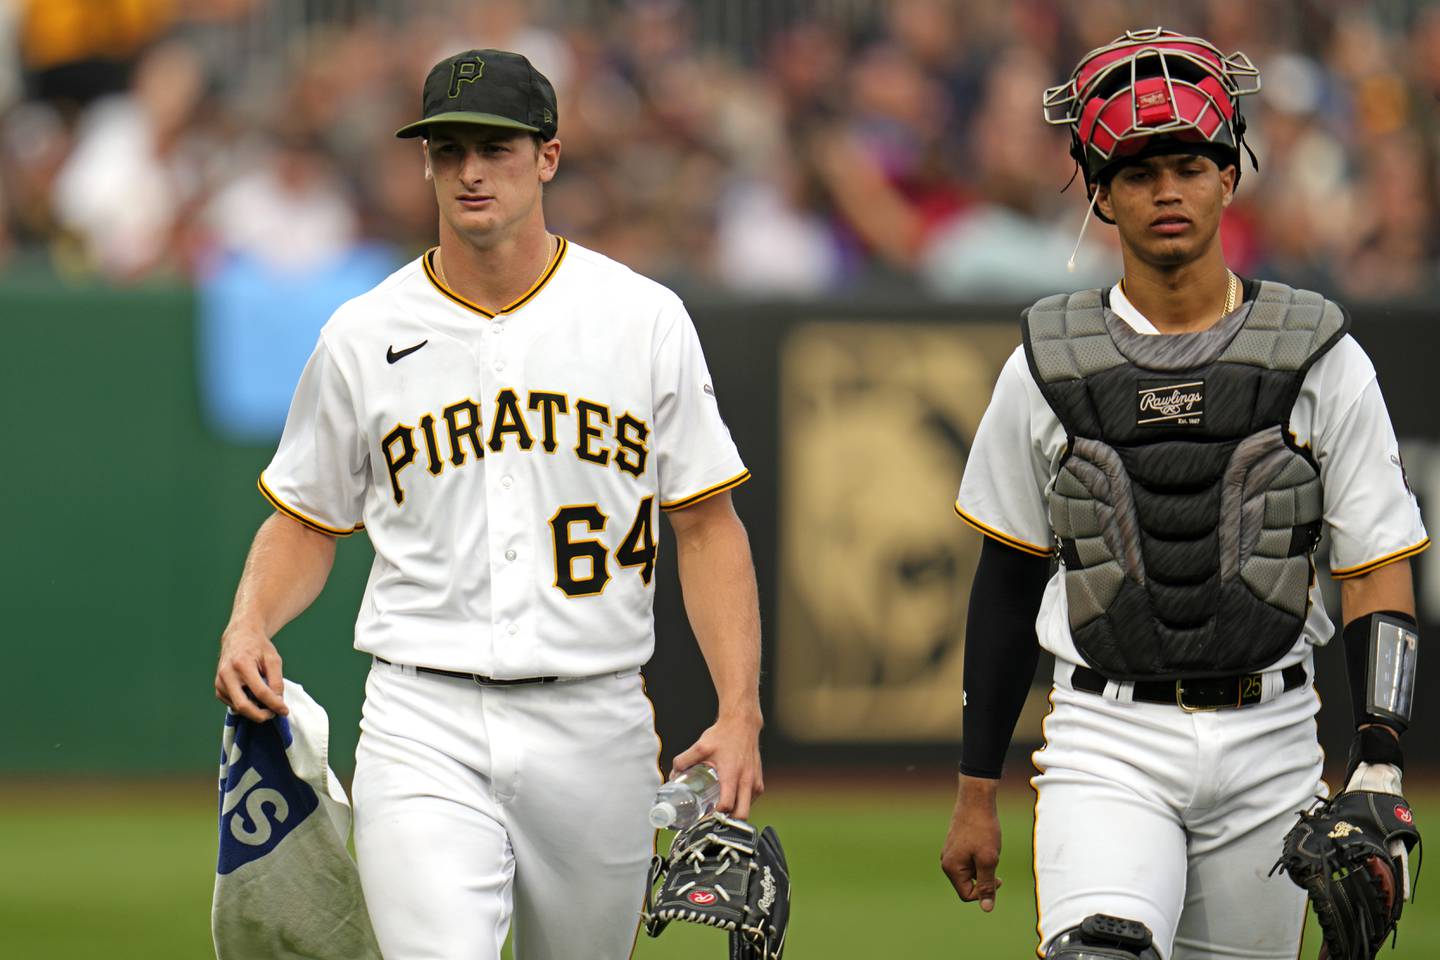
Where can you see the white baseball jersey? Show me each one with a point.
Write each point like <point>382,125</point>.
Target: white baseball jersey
<point>508,467</point>
<point>1340,414</point>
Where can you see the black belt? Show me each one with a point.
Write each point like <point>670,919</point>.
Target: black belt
<point>1191,695</point>
<point>479,678</point>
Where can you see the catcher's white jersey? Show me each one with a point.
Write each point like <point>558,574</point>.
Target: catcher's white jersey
<point>1340,414</point>
<point>1205,798</point>
<point>507,467</point>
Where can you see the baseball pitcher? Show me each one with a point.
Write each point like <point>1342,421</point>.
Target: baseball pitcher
<point>506,417</point>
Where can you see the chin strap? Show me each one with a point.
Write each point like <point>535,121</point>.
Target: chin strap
<point>1070,264</point>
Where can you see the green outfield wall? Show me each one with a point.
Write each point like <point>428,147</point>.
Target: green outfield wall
<point>127,522</point>
<point>125,530</point>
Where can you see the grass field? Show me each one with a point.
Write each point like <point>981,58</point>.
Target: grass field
<point>118,872</point>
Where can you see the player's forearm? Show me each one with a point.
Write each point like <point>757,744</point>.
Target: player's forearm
<point>285,571</point>
<point>1388,588</point>
<point>978,791</point>
<point>717,578</point>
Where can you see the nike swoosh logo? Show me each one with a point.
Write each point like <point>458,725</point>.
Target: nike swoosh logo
<point>393,355</point>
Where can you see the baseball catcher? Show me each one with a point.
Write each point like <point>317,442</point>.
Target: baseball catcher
<point>724,873</point>
<point>1158,462</point>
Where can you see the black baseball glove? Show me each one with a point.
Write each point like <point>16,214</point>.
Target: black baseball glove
<point>1343,852</point>
<point>722,873</point>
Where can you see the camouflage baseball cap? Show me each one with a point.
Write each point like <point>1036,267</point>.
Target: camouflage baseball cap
<point>493,88</point>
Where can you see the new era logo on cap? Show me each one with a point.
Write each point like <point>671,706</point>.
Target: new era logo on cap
<point>494,88</point>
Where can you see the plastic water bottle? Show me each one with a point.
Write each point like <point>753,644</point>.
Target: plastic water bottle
<point>683,801</point>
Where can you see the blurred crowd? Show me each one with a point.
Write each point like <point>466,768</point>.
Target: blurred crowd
<point>841,148</point>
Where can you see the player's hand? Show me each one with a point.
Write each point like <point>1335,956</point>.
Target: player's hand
<point>248,679</point>
<point>1384,778</point>
<point>732,746</point>
<point>972,847</point>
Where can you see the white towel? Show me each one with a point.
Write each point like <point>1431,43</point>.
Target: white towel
<point>285,886</point>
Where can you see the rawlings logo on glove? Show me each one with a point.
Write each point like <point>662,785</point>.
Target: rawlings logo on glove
<point>721,873</point>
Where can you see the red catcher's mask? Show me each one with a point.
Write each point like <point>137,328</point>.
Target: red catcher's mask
<point>1149,88</point>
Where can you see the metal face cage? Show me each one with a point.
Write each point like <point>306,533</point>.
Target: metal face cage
<point>1149,82</point>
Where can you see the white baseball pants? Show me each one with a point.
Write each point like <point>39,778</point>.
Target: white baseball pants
<point>477,804</point>
<point>1147,812</point>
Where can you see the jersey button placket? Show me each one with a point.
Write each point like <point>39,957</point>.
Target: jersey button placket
<point>494,334</point>
<point>509,510</point>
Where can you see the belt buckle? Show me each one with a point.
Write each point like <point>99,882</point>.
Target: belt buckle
<point>1191,708</point>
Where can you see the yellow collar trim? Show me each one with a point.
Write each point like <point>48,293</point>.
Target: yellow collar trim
<point>428,261</point>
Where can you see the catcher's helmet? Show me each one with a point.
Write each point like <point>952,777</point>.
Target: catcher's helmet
<point>1149,92</point>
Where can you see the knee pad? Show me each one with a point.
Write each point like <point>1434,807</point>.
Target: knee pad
<point>1104,938</point>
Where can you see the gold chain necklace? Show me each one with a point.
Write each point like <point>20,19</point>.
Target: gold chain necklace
<point>1232,291</point>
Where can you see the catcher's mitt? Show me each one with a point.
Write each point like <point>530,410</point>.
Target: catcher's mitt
<point>722,873</point>
<point>1343,853</point>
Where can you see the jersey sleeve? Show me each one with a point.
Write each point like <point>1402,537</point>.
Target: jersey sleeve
<point>319,472</point>
<point>1002,493</point>
<point>695,454</point>
<point>1370,510</point>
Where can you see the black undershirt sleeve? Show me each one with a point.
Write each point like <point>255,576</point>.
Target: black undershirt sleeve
<point>1001,652</point>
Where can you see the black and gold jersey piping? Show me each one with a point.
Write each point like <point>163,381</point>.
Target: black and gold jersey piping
<point>428,262</point>
<point>707,493</point>
<point>296,515</point>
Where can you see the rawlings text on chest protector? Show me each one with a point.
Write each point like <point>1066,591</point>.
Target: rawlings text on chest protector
<point>1184,518</point>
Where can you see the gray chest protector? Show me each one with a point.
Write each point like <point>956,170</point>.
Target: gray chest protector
<point>1184,515</point>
